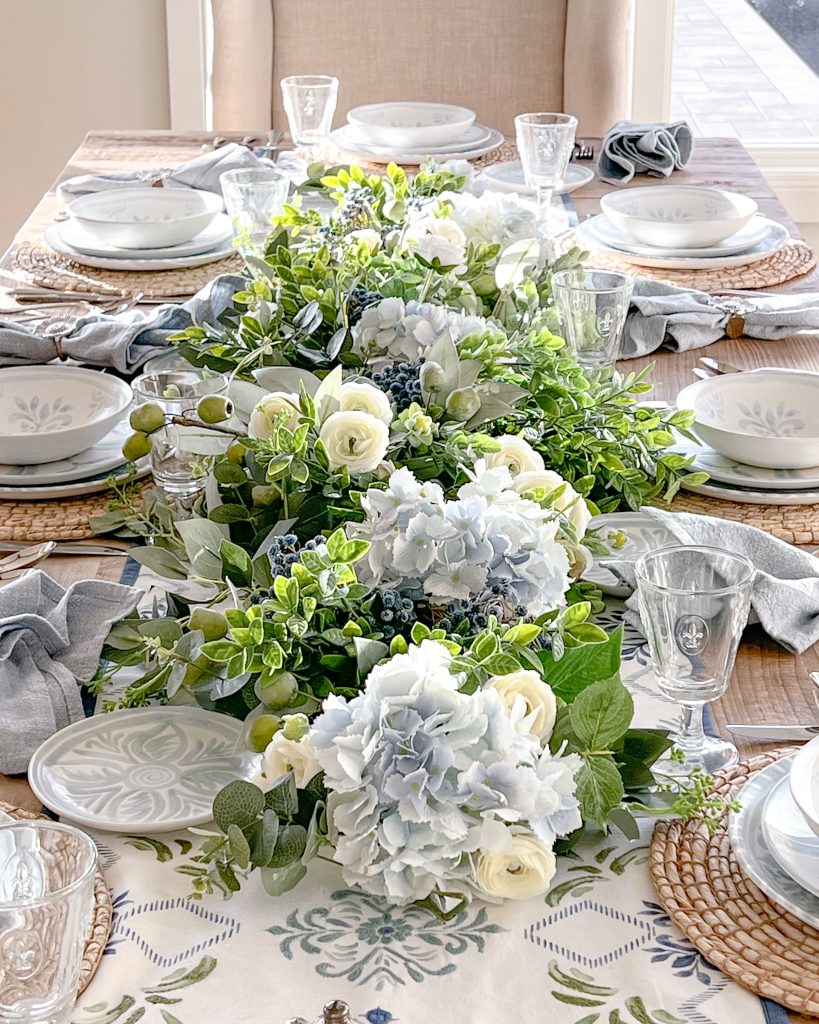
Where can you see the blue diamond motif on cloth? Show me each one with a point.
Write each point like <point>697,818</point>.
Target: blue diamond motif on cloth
<point>133,923</point>
<point>579,925</point>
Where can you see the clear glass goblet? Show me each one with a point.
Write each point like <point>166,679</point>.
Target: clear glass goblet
<point>46,899</point>
<point>592,306</point>
<point>253,197</point>
<point>545,143</point>
<point>310,103</point>
<point>694,603</point>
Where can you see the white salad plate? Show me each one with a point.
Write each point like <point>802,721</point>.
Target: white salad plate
<point>683,216</point>
<point>790,839</point>
<point>753,495</point>
<point>751,850</point>
<point>217,233</point>
<point>752,234</point>
<point>642,535</point>
<point>805,783</point>
<point>345,140</point>
<point>475,135</point>
<point>774,239</point>
<point>53,238</point>
<point>508,177</point>
<point>101,457</point>
<point>728,471</point>
<point>153,769</point>
<point>410,125</point>
<point>26,491</point>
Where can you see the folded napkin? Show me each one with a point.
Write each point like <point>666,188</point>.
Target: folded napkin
<point>202,172</point>
<point>785,598</point>
<point>681,318</point>
<point>50,640</point>
<point>121,342</point>
<point>631,148</point>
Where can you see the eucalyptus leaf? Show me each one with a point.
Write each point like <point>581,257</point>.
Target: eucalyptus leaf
<point>239,803</point>
<point>202,539</point>
<point>279,880</point>
<point>161,561</point>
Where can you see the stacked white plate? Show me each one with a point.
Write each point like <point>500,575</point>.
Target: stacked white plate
<point>775,834</point>
<point>84,473</point>
<point>410,133</point>
<point>508,177</point>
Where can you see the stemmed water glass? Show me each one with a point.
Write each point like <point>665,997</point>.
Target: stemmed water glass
<point>545,143</point>
<point>310,103</point>
<point>694,603</point>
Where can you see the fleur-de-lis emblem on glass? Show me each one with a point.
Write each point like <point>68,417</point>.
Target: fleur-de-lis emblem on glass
<point>605,322</point>
<point>691,633</point>
<point>310,104</point>
<point>546,146</point>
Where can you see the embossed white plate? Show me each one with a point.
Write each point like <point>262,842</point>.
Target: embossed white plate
<point>101,457</point>
<point>790,839</point>
<point>343,139</point>
<point>154,769</point>
<point>54,240</point>
<point>29,491</point>
<point>508,177</point>
<point>752,853</point>
<point>728,471</point>
<point>642,534</point>
<point>753,496</point>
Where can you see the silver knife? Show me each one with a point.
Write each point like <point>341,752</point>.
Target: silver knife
<point>774,733</point>
<point>64,548</point>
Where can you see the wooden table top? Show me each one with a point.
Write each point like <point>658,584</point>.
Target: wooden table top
<point>769,685</point>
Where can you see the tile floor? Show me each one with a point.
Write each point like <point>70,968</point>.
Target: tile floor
<point>733,75</point>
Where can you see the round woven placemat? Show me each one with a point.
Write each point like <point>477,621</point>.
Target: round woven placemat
<point>57,519</point>
<point>730,921</point>
<point>48,269</point>
<point>101,915</point>
<point>792,260</point>
<point>796,524</point>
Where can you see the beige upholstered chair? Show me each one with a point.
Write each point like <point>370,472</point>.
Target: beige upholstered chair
<point>499,57</point>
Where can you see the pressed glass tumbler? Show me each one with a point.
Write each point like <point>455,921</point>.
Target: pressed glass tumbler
<point>694,604</point>
<point>253,197</point>
<point>592,306</point>
<point>46,899</point>
<point>310,103</point>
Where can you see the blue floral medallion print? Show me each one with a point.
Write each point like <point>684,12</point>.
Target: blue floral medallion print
<point>364,940</point>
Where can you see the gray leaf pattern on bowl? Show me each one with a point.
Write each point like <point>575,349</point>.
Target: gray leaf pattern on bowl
<point>766,422</point>
<point>34,417</point>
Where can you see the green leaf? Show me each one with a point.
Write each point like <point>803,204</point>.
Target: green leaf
<point>282,797</point>
<point>202,539</point>
<point>368,653</point>
<point>239,846</point>
<point>236,563</point>
<point>265,841</point>
<point>602,713</point>
<point>239,803</point>
<point>279,880</point>
<point>289,846</point>
<point>168,631</point>
<point>581,666</point>
<point>599,789</point>
<point>162,561</point>
<point>624,820</point>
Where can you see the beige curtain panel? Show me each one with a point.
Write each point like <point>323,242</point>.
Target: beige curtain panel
<point>499,57</point>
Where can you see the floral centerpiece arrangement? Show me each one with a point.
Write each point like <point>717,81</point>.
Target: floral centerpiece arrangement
<point>390,542</point>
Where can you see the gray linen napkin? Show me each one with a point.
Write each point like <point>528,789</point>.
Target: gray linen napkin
<point>50,640</point>
<point>202,172</point>
<point>122,342</point>
<point>785,598</point>
<point>630,148</point>
<point>681,318</point>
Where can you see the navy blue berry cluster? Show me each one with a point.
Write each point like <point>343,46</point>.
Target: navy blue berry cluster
<point>392,614</point>
<point>402,382</point>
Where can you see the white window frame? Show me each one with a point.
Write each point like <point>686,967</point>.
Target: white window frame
<point>792,169</point>
<point>189,46</point>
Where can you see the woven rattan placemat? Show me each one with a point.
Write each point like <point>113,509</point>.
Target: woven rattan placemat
<point>796,524</point>
<point>730,921</point>
<point>57,519</point>
<point>101,915</point>
<point>41,266</point>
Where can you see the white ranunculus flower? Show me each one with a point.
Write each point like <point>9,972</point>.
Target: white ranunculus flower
<point>361,396</point>
<point>283,755</point>
<point>570,502</point>
<point>263,416</point>
<point>539,703</point>
<point>437,238</point>
<point>522,872</point>
<point>494,217</point>
<point>516,454</point>
<point>357,440</point>
<point>368,236</point>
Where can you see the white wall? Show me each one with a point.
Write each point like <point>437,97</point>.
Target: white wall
<point>67,66</point>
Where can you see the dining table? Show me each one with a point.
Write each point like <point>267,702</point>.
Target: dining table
<point>769,686</point>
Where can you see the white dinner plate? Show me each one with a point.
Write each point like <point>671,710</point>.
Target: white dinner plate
<point>751,850</point>
<point>789,837</point>
<point>101,457</point>
<point>216,234</point>
<point>154,769</point>
<point>753,233</point>
<point>727,471</point>
<point>75,489</point>
<point>343,140</point>
<point>53,239</point>
<point>508,177</point>
<point>475,135</point>
<point>774,239</point>
<point>753,495</point>
<point>643,535</point>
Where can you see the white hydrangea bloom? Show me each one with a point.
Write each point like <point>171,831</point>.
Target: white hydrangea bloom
<point>493,217</point>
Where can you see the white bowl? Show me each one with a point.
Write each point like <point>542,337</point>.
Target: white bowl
<point>53,412</point>
<point>145,218</point>
<point>764,418</point>
<point>678,216</point>
<point>410,125</point>
<point>804,783</point>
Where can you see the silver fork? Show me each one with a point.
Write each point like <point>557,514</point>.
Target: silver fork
<point>583,151</point>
